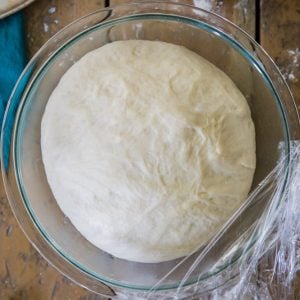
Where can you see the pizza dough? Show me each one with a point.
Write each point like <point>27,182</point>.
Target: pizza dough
<point>148,149</point>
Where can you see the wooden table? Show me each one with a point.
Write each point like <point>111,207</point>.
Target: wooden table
<point>275,24</point>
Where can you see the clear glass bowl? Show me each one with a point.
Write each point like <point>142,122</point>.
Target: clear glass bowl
<point>219,41</point>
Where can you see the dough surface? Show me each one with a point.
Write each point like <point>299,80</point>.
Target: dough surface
<point>148,149</point>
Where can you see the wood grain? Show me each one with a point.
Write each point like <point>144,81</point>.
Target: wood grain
<point>240,12</point>
<point>24,274</point>
<point>280,37</point>
<point>44,18</point>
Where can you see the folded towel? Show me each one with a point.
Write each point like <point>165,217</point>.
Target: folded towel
<point>12,62</point>
<point>12,56</point>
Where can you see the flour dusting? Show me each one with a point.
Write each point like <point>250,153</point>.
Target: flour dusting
<point>52,10</point>
<point>50,21</point>
<point>204,4</point>
<point>46,27</point>
<point>291,71</point>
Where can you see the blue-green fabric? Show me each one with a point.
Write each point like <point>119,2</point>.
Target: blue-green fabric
<point>12,56</point>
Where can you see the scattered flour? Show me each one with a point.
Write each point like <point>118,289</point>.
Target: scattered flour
<point>291,71</point>
<point>46,27</point>
<point>52,10</point>
<point>49,20</point>
<point>204,4</point>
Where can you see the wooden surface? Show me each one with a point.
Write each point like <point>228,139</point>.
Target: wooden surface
<point>23,273</point>
<point>44,18</point>
<point>280,36</point>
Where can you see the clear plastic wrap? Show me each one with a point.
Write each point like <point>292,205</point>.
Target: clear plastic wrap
<point>263,260</point>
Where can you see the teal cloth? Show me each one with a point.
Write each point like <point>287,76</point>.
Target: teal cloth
<point>12,63</point>
<point>12,56</point>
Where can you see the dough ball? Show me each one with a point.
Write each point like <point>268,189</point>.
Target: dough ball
<point>148,149</point>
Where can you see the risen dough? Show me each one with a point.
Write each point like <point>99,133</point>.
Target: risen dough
<point>148,148</point>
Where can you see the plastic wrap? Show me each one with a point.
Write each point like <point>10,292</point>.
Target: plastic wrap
<point>261,260</point>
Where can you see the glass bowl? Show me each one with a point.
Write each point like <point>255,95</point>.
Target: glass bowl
<point>216,39</point>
